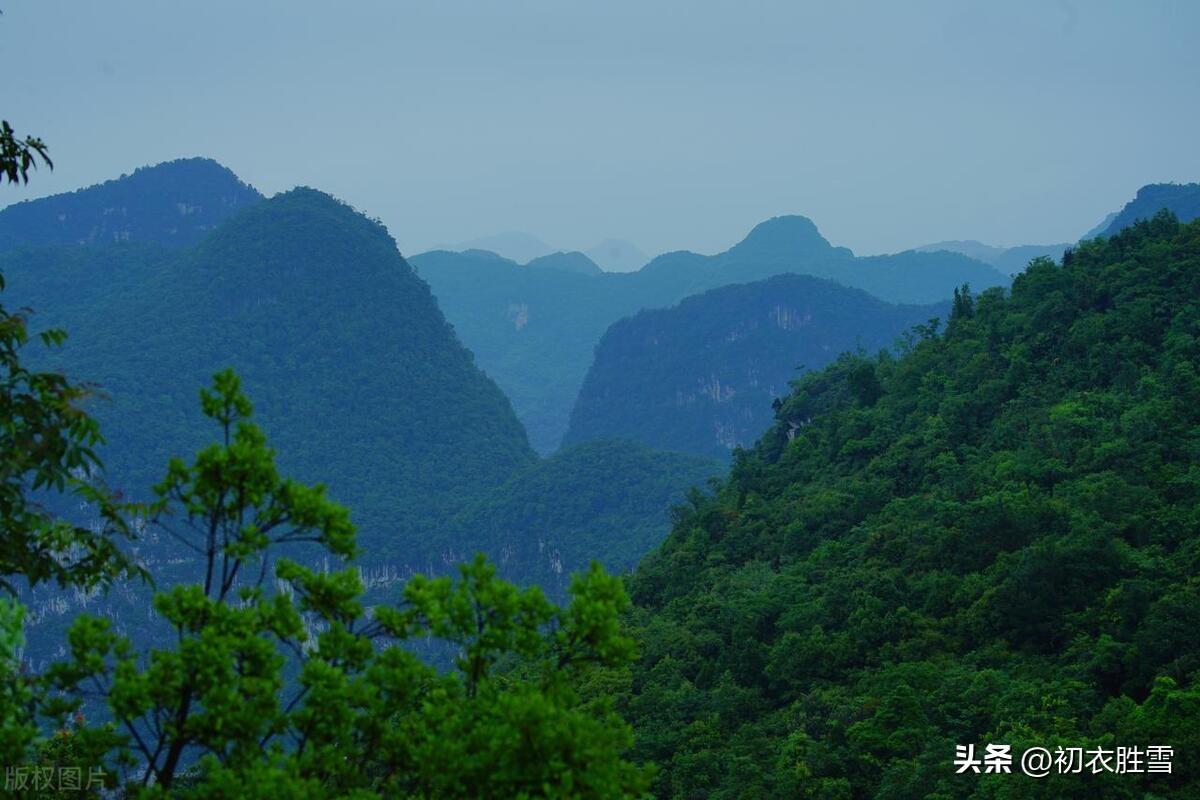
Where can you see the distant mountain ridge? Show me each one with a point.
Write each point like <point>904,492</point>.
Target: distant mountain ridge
<point>617,255</point>
<point>534,331</point>
<point>173,203</point>
<point>1181,199</point>
<point>568,262</point>
<point>1009,260</point>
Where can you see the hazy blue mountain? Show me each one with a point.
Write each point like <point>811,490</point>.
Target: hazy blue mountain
<point>1102,227</point>
<point>568,262</point>
<point>617,255</point>
<point>357,378</point>
<point>534,331</point>
<point>1181,199</point>
<point>1009,260</point>
<point>174,203</point>
<point>700,377</point>
<point>513,245</point>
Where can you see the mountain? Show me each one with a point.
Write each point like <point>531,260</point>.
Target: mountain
<point>607,500</point>
<point>617,255</point>
<point>175,203</point>
<point>534,331</point>
<point>1009,260</point>
<point>567,262</point>
<point>1102,227</point>
<point>1181,199</point>
<point>357,378</point>
<point>700,377</point>
<point>513,245</point>
<point>990,538</point>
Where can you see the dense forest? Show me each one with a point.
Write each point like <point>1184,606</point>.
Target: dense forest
<point>700,377</point>
<point>356,375</point>
<point>985,534</point>
<point>989,538</point>
<point>604,499</point>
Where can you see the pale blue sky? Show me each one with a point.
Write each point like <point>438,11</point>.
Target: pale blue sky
<point>671,124</point>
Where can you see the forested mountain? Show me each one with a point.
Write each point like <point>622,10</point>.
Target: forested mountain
<point>358,380</point>
<point>357,377</point>
<point>604,499</point>
<point>175,203</point>
<point>533,331</point>
<point>700,377</point>
<point>990,538</point>
<point>1181,199</point>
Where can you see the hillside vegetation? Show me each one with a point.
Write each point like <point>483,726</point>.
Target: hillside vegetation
<point>991,538</point>
<point>607,500</point>
<point>700,377</point>
<point>358,377</point>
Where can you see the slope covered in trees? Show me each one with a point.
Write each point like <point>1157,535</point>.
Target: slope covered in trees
<point>359,378</point>
<point>533,331</point>
<point>177,203</point>
<point>990,538</point>
<point>700,377</point>
<point>606,500</point>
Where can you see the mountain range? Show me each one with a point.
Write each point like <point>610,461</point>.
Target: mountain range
<point>534,331</point>
<point>356,376</point>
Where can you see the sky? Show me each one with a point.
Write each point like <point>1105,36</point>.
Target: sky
<point>674,125</point>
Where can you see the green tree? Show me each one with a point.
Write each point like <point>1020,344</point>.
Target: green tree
<point>215,715</point>
<point>18,155</point>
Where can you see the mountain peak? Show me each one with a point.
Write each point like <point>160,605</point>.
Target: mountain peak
<point>175,203</point>
<point>783,237</point>
<point>573,261</point>
<point>299,225</point>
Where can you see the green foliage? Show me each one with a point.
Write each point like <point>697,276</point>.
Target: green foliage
<point>356,374</point>
<point>602,499</point>
<point>990,538</point>
<point>700,377</point>
<point>47,446</point>
<point>18,155</point>
<point>295,690</point>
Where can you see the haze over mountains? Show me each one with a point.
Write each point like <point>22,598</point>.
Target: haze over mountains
<point>534,332</point>
<point>1183,200</point>
<point>611,255</point>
